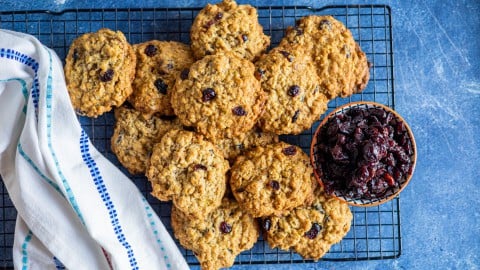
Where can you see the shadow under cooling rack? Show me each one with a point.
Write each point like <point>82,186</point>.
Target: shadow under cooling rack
<point>375,232</point>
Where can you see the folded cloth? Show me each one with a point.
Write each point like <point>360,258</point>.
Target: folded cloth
<point>29,252</point>
<point>70,199</point>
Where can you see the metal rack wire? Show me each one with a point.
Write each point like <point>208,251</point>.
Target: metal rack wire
<point>375,232</point>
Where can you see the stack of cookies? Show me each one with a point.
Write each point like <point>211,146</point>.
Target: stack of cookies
<point>201,121</point>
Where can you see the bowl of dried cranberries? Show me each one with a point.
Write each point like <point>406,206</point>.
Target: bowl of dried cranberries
<point>363,153</point>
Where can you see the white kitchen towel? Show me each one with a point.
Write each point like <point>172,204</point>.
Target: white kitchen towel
<point>78,204</point>
<point>29,252</point>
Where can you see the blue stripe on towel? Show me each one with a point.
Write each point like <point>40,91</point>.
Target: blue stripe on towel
<point>150,214</point>
<point>32,164</point>
<point>23,83</point>
<point>102,190</point>
<point>24,250</point>
<point>66,185</point>
<point>58,264</point>
<point>30,62</point>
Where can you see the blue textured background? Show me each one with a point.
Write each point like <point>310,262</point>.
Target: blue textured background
<point>437,84</point>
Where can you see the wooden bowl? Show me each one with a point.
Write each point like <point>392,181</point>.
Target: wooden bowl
<point>348,196</point>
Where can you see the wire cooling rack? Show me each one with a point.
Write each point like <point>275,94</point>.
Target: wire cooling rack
<point>375,232</point>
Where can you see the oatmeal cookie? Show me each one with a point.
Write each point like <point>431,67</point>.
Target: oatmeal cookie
<point>158,65</point>
<point>99,71</point>
<point>272,180</point>
<point>189,170</point>
<point>295,100</point>
<point>219,237</point>
<point>220,96</point>
<point>311,229</point>
<point>341,65</point>
<point>134,135</point>
<point>227,26</point>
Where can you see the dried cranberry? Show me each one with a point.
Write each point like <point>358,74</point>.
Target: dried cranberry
<point>389,179</point>
<point>127,105</point>
<point>325,24</point>
<point>408,148</point>
<point>397,174</point>
<point>209,23</point>
<point>390,169</point>
<point>259,73</point>
<point>314,230</point>
<point>239,111</point>
<point>197,167</point>
<point>225,227</point>
<point>372,131</point>
<point>275,185</point>
<point>187,128</point>
<point>404,168</point>
<point>362,176</point>
<point>293,90</point>
<point>150,50</point>
<point>380,114</point>
<point>298,31</point>
<point>374,121</point>
<point>356,112</point>
<point>107,75</point>
<point>208,94</point>
<point>380,171</point>
<point>358,135</point>
<point>400,154</point>
<point>161,86</point>
<point>287,55</point>
<point>75,55</point>
<point>391,143</point>
<point>338,154</point>
<point>378,187</point>
<point>295,116</point>
<point>184,74</point>
<point>341,139</point>
<point>289,150</point>
<point>386,131</point>
<point>346,128</point>
<point>336,170</point>
<point>219,16</point>
<point>390,160</point>
<point>399,128</point>
<point>403,139</point>
<point>371,152</point>
<point>332,129</point>
<point>168,117</point>
<point>266,224</point>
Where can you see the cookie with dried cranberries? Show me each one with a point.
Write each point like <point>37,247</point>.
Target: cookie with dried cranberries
<point>219,237</point>
<point>310,229</point>
<point>158,66</point>
<point>295,99</point>
<point>227,26</point>
<point>99,71</point>
<point>272,180</point>
<point>220,96</point>
<point>190,171</point>
<point>134,135</point>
